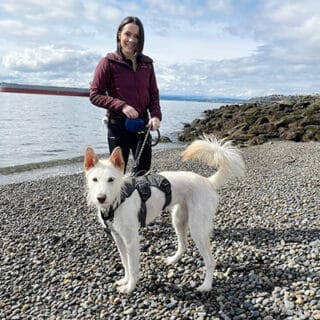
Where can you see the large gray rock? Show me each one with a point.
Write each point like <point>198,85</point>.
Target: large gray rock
<point>296,118</point>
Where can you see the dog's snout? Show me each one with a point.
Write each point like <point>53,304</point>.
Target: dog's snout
<point>101,198</point>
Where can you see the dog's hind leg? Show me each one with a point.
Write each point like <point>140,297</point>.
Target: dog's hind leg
<point>180,224</point>
<point>124,259</point>
<point>200,234</point>
<point>209,265</point>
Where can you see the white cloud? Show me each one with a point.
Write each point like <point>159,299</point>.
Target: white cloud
<point>221,6</point>
<point>186,42</point>
<point>13,28</point>
<point>55,64</point>
<point>173,8</point>
<point>102,15</point>
<point>289,21</point>
<point>43,10</point>
<point>216,47</point>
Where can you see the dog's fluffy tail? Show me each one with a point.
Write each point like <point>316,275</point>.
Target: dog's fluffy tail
<point>222,154</point>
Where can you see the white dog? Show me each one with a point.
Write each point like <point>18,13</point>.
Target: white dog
<point>123,207</point>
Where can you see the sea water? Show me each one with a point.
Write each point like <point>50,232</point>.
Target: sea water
<point>46,128</point>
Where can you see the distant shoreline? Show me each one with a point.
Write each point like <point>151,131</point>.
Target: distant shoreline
<point>75,165</point>
<point>20,168</point>
<point>46,169</point>
<point>84,92</point>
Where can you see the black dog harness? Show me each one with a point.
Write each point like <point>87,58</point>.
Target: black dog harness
<point>143,185</point>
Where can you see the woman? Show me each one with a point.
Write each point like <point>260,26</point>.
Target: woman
<point>124,83</point>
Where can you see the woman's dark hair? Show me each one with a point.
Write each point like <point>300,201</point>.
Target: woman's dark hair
<point>136,21</point>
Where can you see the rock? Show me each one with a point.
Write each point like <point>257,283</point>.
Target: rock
<point>295,118</point>
<point>164,139</point>
<point>60,264</point>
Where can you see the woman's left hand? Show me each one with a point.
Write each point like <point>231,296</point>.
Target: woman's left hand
<point>154,123</point>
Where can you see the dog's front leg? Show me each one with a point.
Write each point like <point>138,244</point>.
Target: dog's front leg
<point>133,256</point>
<point>124,257</point>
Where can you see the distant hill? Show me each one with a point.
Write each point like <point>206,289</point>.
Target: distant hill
<point>201,98</point>
<point>71,91</point>
<point>39,89</point>
<point>278,98</point>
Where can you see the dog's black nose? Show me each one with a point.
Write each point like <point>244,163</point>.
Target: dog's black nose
<point>101,198</point>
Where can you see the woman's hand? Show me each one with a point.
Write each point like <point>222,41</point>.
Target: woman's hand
<point>154,123</point>
<point>130,112</point>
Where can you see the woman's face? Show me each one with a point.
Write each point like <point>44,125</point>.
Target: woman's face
<point>129,39</point>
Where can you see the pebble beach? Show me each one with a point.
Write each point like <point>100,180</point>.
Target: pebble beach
<point>56,262</point>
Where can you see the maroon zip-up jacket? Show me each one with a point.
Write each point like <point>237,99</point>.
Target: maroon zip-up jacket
<point>115,84</point>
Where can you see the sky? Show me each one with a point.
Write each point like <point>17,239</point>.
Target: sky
<point>213,48</point>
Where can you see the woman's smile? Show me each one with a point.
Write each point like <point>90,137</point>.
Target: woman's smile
<point>129,39</point>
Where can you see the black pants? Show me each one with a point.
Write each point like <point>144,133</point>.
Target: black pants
<point>119,136</point>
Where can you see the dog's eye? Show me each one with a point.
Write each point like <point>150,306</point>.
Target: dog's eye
<point>95,179</point>
<point>111,179</point>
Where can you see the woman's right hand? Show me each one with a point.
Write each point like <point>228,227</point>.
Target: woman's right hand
<point>130,112</point>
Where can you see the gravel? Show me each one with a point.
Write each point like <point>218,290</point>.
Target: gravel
<point>57,263</point>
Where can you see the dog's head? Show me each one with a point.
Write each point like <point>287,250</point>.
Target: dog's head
<point>104,177</point>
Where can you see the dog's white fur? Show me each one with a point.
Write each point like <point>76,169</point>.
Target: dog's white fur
<point>194,202</point>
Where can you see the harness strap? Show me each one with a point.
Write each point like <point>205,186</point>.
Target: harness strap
<point>143,185</point>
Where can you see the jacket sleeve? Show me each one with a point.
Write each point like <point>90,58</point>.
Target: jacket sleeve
<point>154,105</point>
<point>99,88</point>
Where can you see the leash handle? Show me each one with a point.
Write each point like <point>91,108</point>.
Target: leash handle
<point>141,147</point>
<point>156,141</point>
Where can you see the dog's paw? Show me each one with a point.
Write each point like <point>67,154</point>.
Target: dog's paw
<point>171,260</point>
<point>122,282</point>
<point>204,288</point>
<point>125,289</point>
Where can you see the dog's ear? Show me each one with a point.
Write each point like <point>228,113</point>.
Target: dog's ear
<point>116,158</point>
<point>90,159</point>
